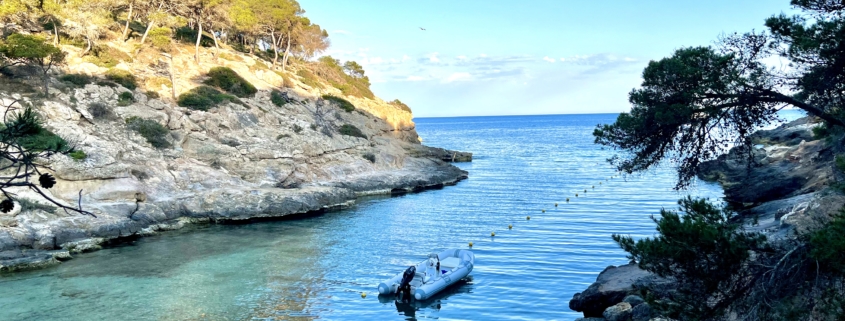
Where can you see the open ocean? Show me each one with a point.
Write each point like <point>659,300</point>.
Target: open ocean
<point>316,267</point>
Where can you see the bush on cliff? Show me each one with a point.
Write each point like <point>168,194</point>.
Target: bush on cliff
<point>123,78</point>
<point>703,252</point>
<point>342,103</point>
<point>203,98</point>
<point>400,105</point>
<point>151,130</point>
<point>229,81</point>
<point>350,130</point>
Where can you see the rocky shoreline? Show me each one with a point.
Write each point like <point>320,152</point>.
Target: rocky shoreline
<point>789,190</point>
<point>244,160</point>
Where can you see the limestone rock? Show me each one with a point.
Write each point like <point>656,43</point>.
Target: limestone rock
<point>642,312</point>
<point>611,287</point>
<point>619,312</point>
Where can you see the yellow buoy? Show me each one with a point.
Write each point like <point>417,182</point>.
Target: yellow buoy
<point>567,199</point>
<point>363,294</point>
<point>543,211</point>
<point>510,226</point>
<point>492,233</point>
<point>528,217</point>
<point>470,244</point>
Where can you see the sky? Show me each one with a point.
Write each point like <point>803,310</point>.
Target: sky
<point>533,57</point>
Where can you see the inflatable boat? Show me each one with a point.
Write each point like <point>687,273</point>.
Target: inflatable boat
<point>430,276</point>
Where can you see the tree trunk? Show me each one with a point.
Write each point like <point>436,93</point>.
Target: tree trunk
<point>199,37</point>
<point>128,19</point>
<point>216,46</point>
<point>88,48</point>
<point>46,83</point>
<point>56,32</point>
<point>275,48</point>
<point>286,55</point>
<point>146,32</point>
<point>172,79</point>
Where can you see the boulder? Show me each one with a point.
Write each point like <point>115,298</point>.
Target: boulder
<point>642,312</point>
<point>611,287</point>
<point>633,300</point>
<point>619,312</point>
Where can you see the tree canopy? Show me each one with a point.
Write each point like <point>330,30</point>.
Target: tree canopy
<point>695,104</point>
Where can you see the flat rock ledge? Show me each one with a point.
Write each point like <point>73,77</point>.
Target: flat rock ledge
<point>57,240</point>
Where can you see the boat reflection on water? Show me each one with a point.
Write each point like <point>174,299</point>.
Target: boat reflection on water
<point>410,308</point>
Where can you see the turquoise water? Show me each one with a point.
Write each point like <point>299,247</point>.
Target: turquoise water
<point>316,267</point>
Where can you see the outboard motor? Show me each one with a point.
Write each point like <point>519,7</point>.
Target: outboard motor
<point>404,289</point>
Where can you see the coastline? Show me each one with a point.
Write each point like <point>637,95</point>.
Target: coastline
<point>790,191</point>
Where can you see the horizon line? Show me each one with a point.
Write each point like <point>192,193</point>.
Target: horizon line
<point>513,115</point>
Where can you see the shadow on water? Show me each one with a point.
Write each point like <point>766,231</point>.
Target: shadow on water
<point>410,308</point>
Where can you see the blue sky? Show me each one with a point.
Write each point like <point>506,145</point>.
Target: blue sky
<point>520,58</point>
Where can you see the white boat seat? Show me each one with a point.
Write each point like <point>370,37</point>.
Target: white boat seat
<point>449,263</point>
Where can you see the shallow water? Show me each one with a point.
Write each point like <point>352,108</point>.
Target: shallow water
<point>316,267</point>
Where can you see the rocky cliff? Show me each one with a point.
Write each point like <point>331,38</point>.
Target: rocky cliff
<point>238,161</point>
<point>789,189</point>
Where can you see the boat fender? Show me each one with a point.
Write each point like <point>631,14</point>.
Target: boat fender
<point>420,294</point>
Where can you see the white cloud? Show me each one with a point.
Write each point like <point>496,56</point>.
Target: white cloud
<point>414,78</point>
<point>433,57</point>
<point>341,32</point>
<point>482,55</point>
<point>458,76</point>
<point>462,57</point>
<point>546,58</point>
<point>375,61</point>
<point>406,58</point>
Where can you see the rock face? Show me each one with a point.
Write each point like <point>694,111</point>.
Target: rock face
<point>790,162</point>
<point>237,161</point>
<point>611,287</point>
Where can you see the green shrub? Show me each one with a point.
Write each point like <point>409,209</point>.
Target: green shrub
<point>229,81</point>
<point>123,78</point>
<point>278,98</point>
<point>398,104</point>
<point>99,110</point>
<point>28,205</point>
<point>151,130</point>
<point>25,129</point>
<point>282,136</point>
<point>203,98</point>
<point>297,128</point>
<point>349,78</point>
<point>78,155</point>
<point>189,35</point>
<point>827,245</point>
<point>153,94</point>
<point>343,103</point>
<point>107,57</point>
<point>308,78</point>
<point>313,126</point>
<point>106,83</point>
<point>125,99</point>
<point>821,131</point>
<point>702,251</point>
<point>78,80</point>
<point>370,157</point>
<point>161,38</point>
<point>350,130</point>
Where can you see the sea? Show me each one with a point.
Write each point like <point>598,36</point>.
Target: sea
<point>538,182</point>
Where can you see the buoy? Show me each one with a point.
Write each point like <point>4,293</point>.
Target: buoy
<point>585,191</point>
<point>555,204</point>
<point>492,233</point>
<point>510,226</point>
<point>576,194</point>
<point>528,217</point>
<point>599,183</point>
<point>470,244</point>
<point>543,211</point>
<point>594,186</point>
<point>567,199</point>
<point>363,295</point>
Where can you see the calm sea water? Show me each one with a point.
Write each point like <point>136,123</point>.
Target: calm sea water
<point>317,267</point>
